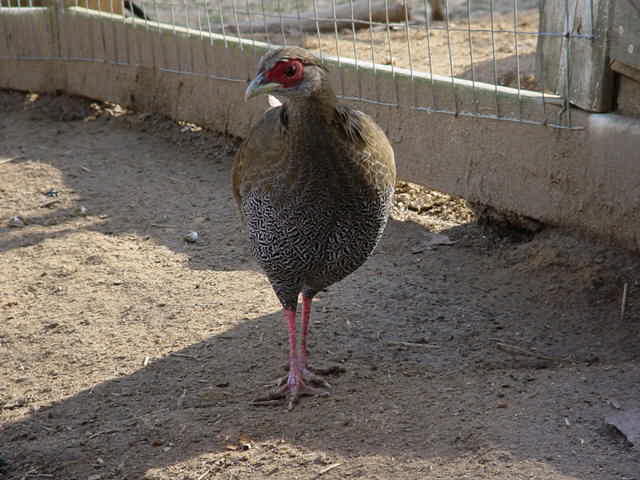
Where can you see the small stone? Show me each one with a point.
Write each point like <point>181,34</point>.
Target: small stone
<point>16,222</point>
<point>82,211</point>
<point>191,237</point>
<point>15,403</point>
<point>627,422</point>
<point>322,459</point>
<point>615,404</point>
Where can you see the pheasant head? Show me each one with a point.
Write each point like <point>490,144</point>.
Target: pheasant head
<point>289,73</point>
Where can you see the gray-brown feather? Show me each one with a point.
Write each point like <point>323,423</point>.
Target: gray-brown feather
<point>315,193</point>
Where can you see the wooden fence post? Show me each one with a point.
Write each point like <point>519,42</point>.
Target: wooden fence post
<point>575,64</point>
<point>437,12</point>
<point>625,33</point>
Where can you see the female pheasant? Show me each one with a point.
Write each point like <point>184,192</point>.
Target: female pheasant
<point>314,182</point>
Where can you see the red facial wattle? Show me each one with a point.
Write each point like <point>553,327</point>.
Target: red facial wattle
<point>287,73</point>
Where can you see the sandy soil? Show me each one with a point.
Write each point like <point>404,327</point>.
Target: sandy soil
<point>228,11</point>
<point>431,48</point>
<point>455,53</point>
<point>127,352</point>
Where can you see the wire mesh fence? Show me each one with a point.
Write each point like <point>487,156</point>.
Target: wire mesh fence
<point>483,58</point>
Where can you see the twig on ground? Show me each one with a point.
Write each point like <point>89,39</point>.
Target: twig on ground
<point>265,403</point>
<point>173,179</point>
<point>623,302</point>
<point>162,225</point>
<point>33,470</point>
<point>8,160</point>
<point>506,347</point>
<point>103,432</point>
<point>328,469</point>
<point>410,344</point>
<point>205,474</point>
<point>49,204</point>
<point>180,401</point>
<point>182,355</point>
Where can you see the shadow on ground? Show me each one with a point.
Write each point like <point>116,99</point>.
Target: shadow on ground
<point>423,388</point>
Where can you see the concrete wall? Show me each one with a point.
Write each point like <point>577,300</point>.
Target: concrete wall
<point>113,6</point>
<point>587,179</point>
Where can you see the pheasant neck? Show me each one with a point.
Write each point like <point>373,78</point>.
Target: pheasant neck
<point>317,107</point>
<point>311,132</point>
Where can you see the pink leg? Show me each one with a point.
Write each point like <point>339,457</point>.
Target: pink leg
<point>294,378</point>
<point>306,313</point>
<point>295,383</point>
<point>290,317</point>
<point>304,352</point>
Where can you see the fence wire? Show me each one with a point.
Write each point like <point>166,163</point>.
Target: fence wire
<point>482,58</point>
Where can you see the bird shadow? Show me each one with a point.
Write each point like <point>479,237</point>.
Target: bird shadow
<point>423,404</point>
<point>417,377</point>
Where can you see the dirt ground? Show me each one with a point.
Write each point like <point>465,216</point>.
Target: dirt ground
<point>445,48</point>
<point>436,47</point>
<point>499,58</point>
<point>127,352</point>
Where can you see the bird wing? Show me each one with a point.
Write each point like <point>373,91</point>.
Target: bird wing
<point>375,151</point>
<point>260,152</point>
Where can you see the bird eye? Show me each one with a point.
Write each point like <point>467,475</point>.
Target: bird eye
<point>291,71</point>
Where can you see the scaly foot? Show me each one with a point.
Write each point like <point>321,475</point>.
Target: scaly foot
<point>295,385</point>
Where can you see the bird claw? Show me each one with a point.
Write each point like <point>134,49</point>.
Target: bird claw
<point>294,387</point>
<point>308,374</point>
<point>312,377</point>
<point>304,391</point>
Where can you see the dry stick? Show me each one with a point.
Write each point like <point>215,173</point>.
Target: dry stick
<point>161,225</point>
<point>404,344</point>
<point>410,344</point>
<point>7,160</point>
<point>104,432</point>
<point>174,179</point>
<point>205,474</point>
<point>328,469</point>
<point>182,355</point>
<point>265,403</point>
<point>180,401</point>
<point>521,351</point>
<point>623,303</point>
<point>33,470</point>
<point>50,204</point>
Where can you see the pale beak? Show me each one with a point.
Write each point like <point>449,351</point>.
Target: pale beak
<point>258,86</point>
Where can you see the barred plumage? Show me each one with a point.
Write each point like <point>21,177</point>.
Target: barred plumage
<point>314,182</point>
